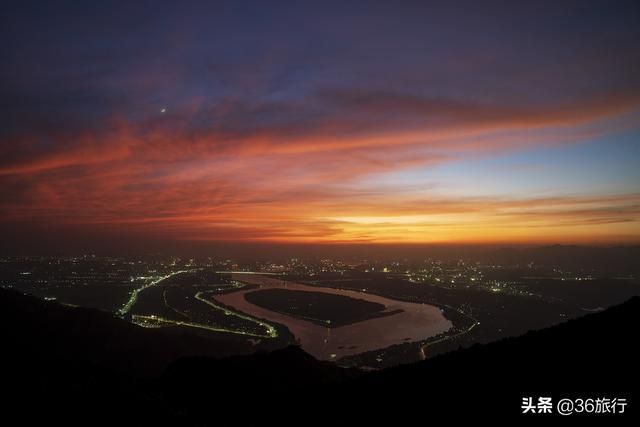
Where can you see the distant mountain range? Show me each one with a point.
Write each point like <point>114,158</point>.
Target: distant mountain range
<point>82,366</point>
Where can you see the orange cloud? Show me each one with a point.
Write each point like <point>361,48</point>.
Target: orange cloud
<point>305,184</point>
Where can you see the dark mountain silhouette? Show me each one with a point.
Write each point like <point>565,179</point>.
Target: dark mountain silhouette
<point>81,366</point>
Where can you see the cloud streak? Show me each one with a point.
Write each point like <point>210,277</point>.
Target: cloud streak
<point>265,137</point>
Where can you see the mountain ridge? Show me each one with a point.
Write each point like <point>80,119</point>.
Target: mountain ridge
<point>184,384</point>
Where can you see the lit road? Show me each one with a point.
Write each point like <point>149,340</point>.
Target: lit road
<point>126,308</point>
<point>271,331</point>
<point>153,321</point>
<point>158,322</point>
<point>423,353</point>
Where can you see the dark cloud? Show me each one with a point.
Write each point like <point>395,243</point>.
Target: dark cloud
<point>287,106</point>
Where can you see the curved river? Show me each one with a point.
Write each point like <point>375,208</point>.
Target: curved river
<point>415,322</point>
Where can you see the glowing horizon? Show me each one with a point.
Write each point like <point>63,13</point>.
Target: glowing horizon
<point>262,137</point>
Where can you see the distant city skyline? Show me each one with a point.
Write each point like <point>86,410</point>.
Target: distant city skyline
<point>158,123</point>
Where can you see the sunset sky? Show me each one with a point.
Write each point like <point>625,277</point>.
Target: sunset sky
<point>321,122</point>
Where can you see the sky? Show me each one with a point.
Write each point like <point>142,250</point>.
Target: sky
<point>422,122</point>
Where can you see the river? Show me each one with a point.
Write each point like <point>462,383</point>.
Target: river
<point>415,321</point>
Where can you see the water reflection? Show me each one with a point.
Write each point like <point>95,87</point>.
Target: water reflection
<point>413,322</point>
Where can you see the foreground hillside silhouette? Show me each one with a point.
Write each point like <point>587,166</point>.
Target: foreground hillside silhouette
<point>83,366</point>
